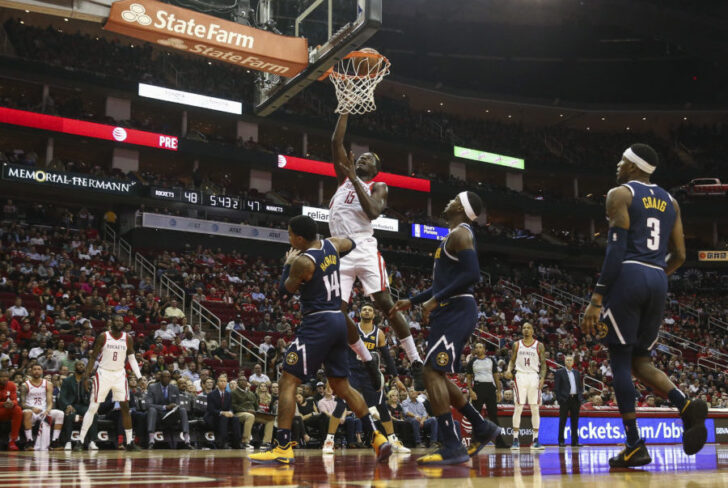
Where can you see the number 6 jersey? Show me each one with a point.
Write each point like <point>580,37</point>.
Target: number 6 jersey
<point>652,216</point>
<point>113,354</point>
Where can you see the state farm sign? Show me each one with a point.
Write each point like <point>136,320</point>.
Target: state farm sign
<point>209,36</point>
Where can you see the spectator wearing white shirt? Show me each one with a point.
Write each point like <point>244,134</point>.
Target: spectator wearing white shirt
<point>94,250</point>
<point>258,376</point>
<point>165,333</point>
<point>265,346</point>
<point>190,342</point>
<point>18,310</point>
<point>236,324</point>
<point>173,311</point>
<point>257,296</point>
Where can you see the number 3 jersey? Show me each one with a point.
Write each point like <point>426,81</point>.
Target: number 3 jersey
<point>322,291</point>
<point>652,216</point>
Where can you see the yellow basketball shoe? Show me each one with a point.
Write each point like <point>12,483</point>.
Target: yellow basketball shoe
<point>279,454</point>
<point>382,447</point>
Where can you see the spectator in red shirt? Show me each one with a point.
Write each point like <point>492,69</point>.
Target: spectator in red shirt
<point>9,408</point>
<point>156,349</point>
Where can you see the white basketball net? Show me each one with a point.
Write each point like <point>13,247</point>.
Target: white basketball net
<point>354,88</point>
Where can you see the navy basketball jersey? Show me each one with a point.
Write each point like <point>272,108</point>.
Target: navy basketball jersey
<point>322,291</point>
<point>446,268</point>
<point>369,340</point>
<point>651,219</point>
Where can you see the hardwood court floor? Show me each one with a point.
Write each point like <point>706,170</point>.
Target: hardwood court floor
<point>583,468</point>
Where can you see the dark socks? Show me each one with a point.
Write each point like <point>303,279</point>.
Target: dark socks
<point>367,424</point>
<point>283,437</point>
<point>447,430</point>
<point>469,412</point>
<point>632,432</point>
<point>677,398</point>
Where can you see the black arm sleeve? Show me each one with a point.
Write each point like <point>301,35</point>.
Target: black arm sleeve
<point>388,360</point>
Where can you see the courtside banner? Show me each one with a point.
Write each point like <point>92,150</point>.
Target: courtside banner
<point>712,255</point>
<point>322,215</point>
<point>212,37</point>
<point>327,169</point>
<point>210,227</point>
<point>87,129</point>
<point>73,181</point>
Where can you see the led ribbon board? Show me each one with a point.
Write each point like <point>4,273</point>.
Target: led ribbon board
<point>327,169</point>
<point>87,129</point>
<point>191,99</point>
<point>491,158</point>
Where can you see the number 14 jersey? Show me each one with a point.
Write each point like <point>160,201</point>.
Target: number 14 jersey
<point>322,292</point>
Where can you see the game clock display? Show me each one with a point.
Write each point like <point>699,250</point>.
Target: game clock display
<point>194,197</point>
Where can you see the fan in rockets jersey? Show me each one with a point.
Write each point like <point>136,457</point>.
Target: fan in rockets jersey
<point>36,395</point>
<point>357,202</point>
<point>112,349</point>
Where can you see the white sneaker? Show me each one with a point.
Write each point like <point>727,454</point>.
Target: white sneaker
<point>249,447</point>
<point>92,446</point>
<point>398,447</point>
<point>328,447</point>
<point>68,446</point>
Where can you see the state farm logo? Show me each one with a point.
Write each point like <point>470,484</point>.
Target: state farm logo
<point>173,42</point>
<point>136,13</point>
<point>118,134</point>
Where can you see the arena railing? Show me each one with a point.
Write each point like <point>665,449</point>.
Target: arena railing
<point>109,236</point>
<point>167,287</point>
<point>489,337</point>
<point>715,322</point>
<point>143,266</point>
<point>203,316</point>
<point>713,364</point>
<point>119,246</point>
<point>236,338</point>
<point>562,294</point>
<point>512,287</point>
<point>124,251</point>
<point>680,341</point>
<point>587,380</point>
<point>546,302</point>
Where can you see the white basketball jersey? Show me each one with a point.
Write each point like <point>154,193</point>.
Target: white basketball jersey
<point>36,397</point>
<point>346,217</point>
<point>527,358</point>
<point>113,354</point>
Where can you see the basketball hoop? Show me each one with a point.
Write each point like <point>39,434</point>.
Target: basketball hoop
<point>355,77</point>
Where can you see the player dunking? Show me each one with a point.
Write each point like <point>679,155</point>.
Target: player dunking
<point>453,315</point>
<point>373,339</point>
<point>644,222</point>
<point>313,266</point>
<point>357,202</point>
<point>111,349</point>
<point>530,362</point>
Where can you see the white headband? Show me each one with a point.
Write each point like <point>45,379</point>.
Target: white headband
<point>466,205</point>
<point>639,162</point>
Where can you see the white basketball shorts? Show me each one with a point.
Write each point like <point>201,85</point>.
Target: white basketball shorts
<point>105,380</point>
<point>527,390</point>
<point>365,263</point>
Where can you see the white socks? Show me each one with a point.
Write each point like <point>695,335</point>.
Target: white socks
<point>361,350</point>
<point>56,434</point>
<point>408,344</point>
<point>129,436</point>
<point>329,437</point>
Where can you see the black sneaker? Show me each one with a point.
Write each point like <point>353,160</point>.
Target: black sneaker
<point>132,447</point>
<point>636,455</point>
<point>416,368</point>
<point>375,376</point>
<point>56,445</point>
<point>77,446</point>
<point>694,434</point>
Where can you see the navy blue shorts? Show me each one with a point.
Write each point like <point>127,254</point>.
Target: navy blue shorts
<point>320,339</point>
<point>634,308</point>
<point>359,380</point>
<point>451,325</point>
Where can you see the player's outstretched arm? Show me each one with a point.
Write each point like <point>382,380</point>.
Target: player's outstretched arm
<point>676,245</point>
<point>338,151</point>
<point>343,245</point>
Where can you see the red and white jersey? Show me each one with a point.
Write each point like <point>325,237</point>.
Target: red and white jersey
<point>113,354</point>
<point>527,358</point>
<point>36,396</point>
<point>346,217</point>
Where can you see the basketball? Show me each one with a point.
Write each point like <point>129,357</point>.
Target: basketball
<point>367,65</point>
